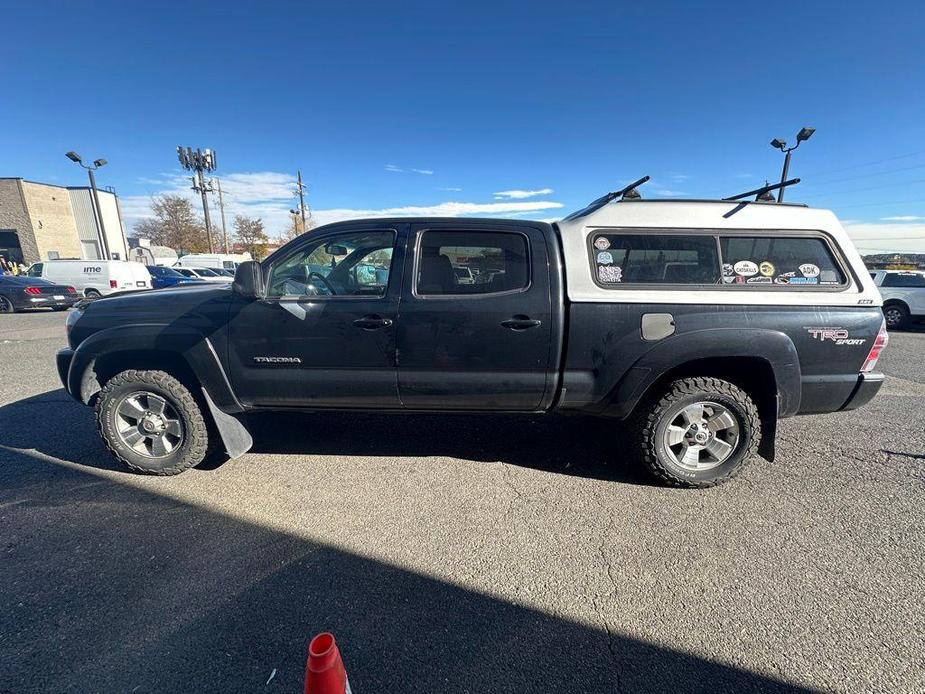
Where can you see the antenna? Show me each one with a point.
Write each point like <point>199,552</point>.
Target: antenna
<point>200,161</point>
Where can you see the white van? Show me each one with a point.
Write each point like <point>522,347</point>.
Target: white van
<point>94,278</point>
<point>227,261</point>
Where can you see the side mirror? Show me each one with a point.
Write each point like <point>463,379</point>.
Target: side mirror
<point>248,280</point>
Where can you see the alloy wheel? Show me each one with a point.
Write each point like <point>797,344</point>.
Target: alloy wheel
<point>148,424</point>
<point>701,436</point>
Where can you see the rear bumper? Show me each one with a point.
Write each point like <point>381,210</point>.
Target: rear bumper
<point>836,393</point>
<point>867,387</point>
<point>45,302</point>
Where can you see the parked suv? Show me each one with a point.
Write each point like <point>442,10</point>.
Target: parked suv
<point>697,324</point>
<point>903,294</point>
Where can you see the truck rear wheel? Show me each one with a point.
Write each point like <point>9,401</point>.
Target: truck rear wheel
<point>151,422</point>
<point>697,432</point>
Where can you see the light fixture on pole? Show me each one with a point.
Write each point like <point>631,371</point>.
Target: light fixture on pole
<point>777,143</point>
<point>100,227</point>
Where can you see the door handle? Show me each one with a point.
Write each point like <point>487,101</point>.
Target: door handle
<point>372,322</point>
<point>520,323</point>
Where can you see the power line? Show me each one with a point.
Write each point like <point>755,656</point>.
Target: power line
<point>864,190</point>
<point>869,163</point>
<point>868,175</point>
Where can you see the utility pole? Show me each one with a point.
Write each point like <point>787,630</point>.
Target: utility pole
<point>221,207</point>
<point>199,161</point>
<point>303,208</point>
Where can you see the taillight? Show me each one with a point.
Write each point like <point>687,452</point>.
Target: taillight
<point>113,284</point>
<point>880,342</point>
<point>71,290</point>
<point>33,290</point>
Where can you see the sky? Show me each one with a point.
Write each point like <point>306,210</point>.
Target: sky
<point>499,109</point>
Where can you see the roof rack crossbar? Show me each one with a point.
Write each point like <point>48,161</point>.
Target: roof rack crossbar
<point>604,199</point>
<point>758,192</point>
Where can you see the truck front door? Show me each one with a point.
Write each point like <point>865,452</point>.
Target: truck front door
<point>324,335</point>
<point>475,322</point>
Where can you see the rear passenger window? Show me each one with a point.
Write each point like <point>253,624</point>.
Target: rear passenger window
<point>654,259</point>
<point>904,279</point>
<point>780,260</point>
<point>471,262</point>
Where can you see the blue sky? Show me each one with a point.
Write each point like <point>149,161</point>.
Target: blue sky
<point>436,108</point>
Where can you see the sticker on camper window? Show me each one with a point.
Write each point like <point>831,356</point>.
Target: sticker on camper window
<point>605,258</point>
<point>728,270</point>
<point>809,270</point>
<point>610,273</point>
<point>804,280</point>
<point>766,268</point>
<point>745,268</point>
<point>601,243</point>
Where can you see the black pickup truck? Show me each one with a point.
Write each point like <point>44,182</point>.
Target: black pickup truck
<point>699,322</point>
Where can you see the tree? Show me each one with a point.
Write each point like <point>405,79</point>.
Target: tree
<point>293,230</point>
<point>174,224</point>
<point>250,234</point>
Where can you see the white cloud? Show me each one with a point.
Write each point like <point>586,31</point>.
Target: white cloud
<point>668,193</point>
<point>397,169</point>
<point>678,177</point>
<point>443,209</point>
<point>521,194</point>
<point>270,195</point>
<point>903,218</point>
<point>265,194</point>
<point>451,190</point>
<point>871,237</point>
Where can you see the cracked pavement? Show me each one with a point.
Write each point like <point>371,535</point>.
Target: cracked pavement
<point>458,553</point>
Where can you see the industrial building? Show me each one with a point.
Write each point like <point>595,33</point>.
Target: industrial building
<point>41,221</point>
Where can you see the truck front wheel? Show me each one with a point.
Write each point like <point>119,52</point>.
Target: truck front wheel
<point>697,432</point>
<point>151,422</point>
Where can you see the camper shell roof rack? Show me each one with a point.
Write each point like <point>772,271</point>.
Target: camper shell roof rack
<point>629,194</point>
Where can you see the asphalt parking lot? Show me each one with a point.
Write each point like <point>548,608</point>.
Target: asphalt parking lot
<point>458,554</point>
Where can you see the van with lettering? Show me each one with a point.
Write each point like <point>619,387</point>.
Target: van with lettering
<point>94,278</point>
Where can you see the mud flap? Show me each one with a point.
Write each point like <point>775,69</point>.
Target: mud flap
<point>235,436</point>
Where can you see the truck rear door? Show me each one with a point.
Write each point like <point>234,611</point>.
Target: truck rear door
<point>484,344</point>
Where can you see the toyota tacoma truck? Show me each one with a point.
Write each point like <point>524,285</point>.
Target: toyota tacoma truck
<point>699,324</point>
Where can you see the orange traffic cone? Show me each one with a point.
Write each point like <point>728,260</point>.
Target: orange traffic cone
<point>324,670</point>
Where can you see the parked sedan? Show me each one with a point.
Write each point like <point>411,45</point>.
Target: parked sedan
<point>203,273</point>
<point>162,277</point>
<point>21,292</point>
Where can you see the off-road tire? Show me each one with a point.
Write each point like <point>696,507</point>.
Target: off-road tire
<point>896,316</point>
<point>650,418</point>
<point>6,306</point>
<point>195,444</point>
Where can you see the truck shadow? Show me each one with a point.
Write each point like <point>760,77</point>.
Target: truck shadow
<point>52,423</point>
<point>111,587</point>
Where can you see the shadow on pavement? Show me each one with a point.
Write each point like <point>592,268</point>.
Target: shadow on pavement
<point>108,587</point>
<point>54,424</point>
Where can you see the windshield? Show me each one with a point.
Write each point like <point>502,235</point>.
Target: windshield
<point>206,272</point>
<point>158,271</point>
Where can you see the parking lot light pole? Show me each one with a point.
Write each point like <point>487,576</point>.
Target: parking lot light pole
<point>100,227</point>
<point>777,143</point>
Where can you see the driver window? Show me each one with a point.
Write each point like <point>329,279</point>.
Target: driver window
<point>355,264</point>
